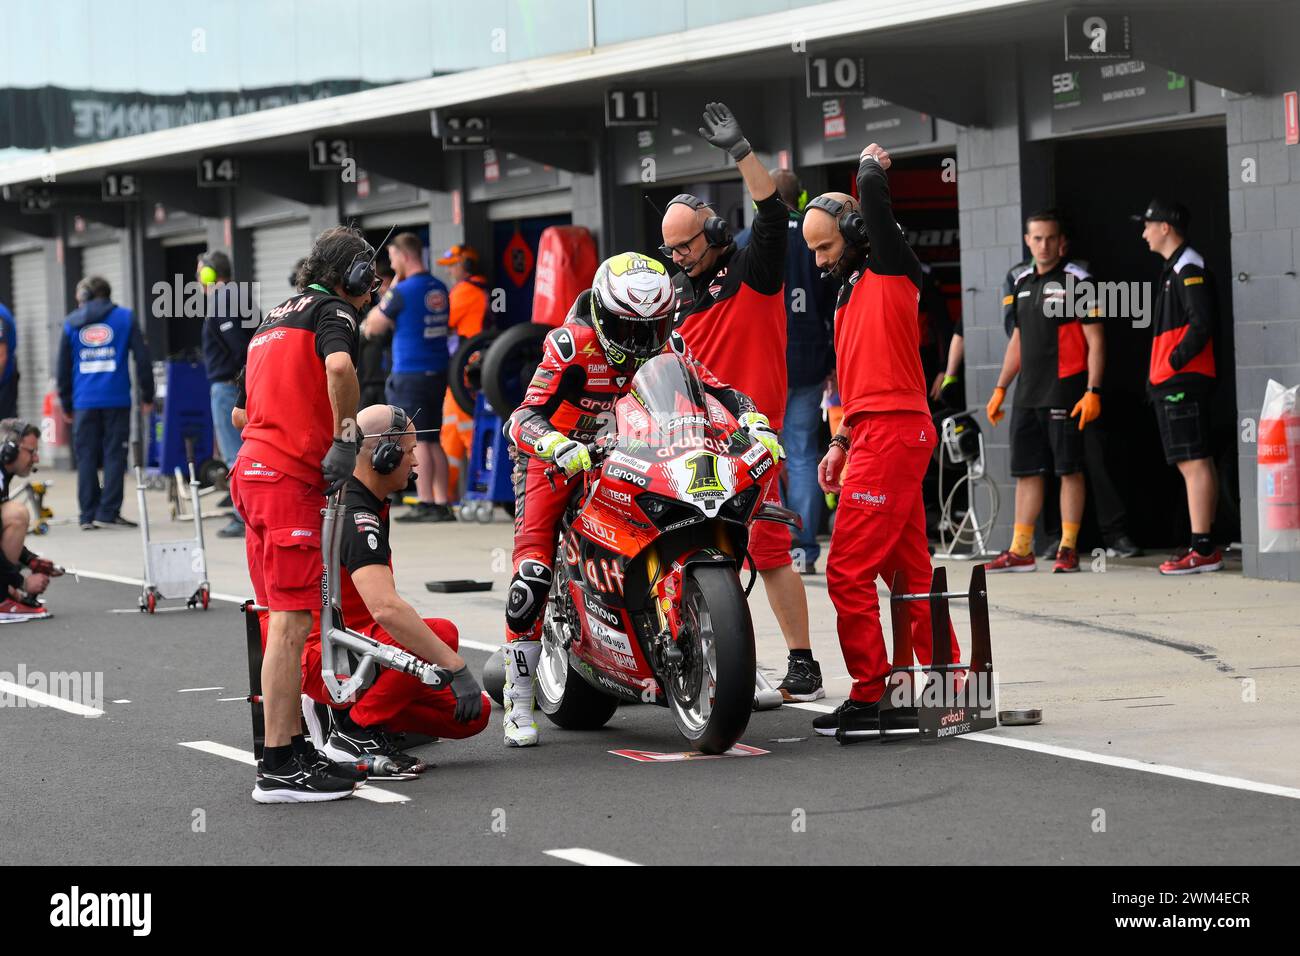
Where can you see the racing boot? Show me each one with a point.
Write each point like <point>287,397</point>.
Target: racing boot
<point>521,664</point>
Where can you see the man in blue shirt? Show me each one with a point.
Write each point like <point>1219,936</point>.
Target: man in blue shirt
<point>8,364</point>
<point>416,309</point>
<point>95,388</point>
<point>226,331</point>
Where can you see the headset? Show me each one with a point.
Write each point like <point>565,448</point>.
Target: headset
<point>388,451</point>
<point>360,277</point>
<point>717,231</point>
<point>9,448</point>
<point>850,222</point>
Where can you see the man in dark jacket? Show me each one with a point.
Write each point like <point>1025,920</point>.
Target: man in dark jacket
<point>95,388</point>
<point>226,332</point>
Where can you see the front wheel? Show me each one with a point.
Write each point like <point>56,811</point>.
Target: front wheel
<point>563,694</point>
<point>712,692</point>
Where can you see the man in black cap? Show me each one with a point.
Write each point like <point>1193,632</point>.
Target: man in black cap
<point>1182,374</point>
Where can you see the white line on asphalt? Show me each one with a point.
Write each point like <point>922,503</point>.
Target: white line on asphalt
<point>223,699</point>
<point>589,857</point>
<point>820,708</point>
<point>123,700</point>
<point>123,579</point>
<point>40,698</point>
<point>231,598</point>
<point>1128,763</point>
<point>373,794</point>
<point>191,690</point>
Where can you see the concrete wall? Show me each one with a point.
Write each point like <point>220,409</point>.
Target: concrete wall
<point>1265,220</point>
<point>989,217</point>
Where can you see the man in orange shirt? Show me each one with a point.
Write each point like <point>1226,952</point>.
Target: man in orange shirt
<point>469,304</point>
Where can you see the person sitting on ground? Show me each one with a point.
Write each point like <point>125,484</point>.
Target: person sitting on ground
<point>19,453</point>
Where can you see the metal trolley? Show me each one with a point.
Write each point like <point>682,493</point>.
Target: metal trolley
<point>172,569</point>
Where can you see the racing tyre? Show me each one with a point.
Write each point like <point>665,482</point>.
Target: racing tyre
<point>465,376</point>
<point>712,693</point>
<point>509,363</point>
<point>562,693</point>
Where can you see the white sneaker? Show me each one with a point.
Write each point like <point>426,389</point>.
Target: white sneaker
<point>521,664</point>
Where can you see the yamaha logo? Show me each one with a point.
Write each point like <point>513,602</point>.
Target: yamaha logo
<point>97,334</point>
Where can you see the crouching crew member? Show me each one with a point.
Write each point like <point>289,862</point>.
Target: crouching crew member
<point>887,436</point>
<point>395,702</point>
<point>19,453</point>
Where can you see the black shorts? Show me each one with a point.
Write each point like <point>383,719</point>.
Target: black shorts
<point>1184,426</point>
<point>1045,441</point>
<point>420,395</point>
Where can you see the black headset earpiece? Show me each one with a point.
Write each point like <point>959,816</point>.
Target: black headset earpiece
<point>9,447</point>
<point>717,231</point>
<point>388,451</point>
<point>360,277</point>
<point>849,220</point>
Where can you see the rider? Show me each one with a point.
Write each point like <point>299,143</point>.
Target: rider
<point>587,364</point>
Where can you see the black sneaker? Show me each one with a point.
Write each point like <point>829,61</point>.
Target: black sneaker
<point>353,744</point>
<point>118,522</point>
<point>803,681</point>
<point>319,719</point>
<point>852,716</point>
<point>426,511</point>
<point>299,781</point>
<point>225,502</point>
<point>344,771</point>
<point>1123,547</point>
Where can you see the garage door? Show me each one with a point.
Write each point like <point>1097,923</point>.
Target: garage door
<point>32,317</point>
<point>107,260</point>
<point>276,249</point>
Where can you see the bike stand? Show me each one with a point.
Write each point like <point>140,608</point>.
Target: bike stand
<point>766,697</point>
<point>253,631</point>
<point>939,711</point>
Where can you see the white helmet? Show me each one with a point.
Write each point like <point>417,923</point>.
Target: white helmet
<point>632,300</point>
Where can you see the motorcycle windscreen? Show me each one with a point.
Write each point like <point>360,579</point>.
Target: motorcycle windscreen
<point>667,409</point>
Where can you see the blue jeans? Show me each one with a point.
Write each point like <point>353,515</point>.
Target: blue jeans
<point>222,396</point>
<point>99,438</point>
<point>799,437</point>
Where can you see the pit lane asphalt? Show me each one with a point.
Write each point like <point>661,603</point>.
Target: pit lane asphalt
<point>119,789</point>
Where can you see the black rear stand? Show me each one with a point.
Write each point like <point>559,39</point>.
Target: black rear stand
<point>941,710</point>
<point>253,631</point>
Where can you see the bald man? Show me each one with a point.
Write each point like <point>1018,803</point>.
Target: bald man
<point>732,317</point>
<point>887,435</point>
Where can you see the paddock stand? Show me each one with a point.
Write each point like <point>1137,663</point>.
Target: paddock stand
<point>349,660</point>
<point>941,709</point>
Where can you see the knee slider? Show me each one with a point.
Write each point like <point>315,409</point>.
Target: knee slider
<point>528,591</point>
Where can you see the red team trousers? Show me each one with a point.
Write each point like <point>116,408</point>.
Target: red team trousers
<point>880,530</point>
<point>397,702</point>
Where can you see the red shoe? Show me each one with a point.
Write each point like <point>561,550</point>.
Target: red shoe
<point>1009,561</point>
<point>12,612</point>
<point>1187,561</point>
<point>1067,561</point>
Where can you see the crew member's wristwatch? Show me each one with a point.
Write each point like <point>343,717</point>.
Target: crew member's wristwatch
<point>1094,389</point>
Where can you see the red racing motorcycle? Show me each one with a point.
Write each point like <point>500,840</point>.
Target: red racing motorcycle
<point>647,604</point>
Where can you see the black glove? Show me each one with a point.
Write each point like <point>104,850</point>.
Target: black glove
<point>721,129</point>
<point>469,696</point>
<point>337,464</point>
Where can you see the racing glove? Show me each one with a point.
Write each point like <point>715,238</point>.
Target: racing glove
<point>572,456</point>
<point>760,430</point>
<point>1087,408</point>
<point>469,696</point>
<point>994,407</point>
<point>337,464</point>
<point>721,129</point>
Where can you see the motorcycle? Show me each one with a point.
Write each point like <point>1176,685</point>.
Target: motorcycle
<point>646,605</point>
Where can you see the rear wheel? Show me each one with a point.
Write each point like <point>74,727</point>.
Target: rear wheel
<point>712,692</point>
<point>563,694</point>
